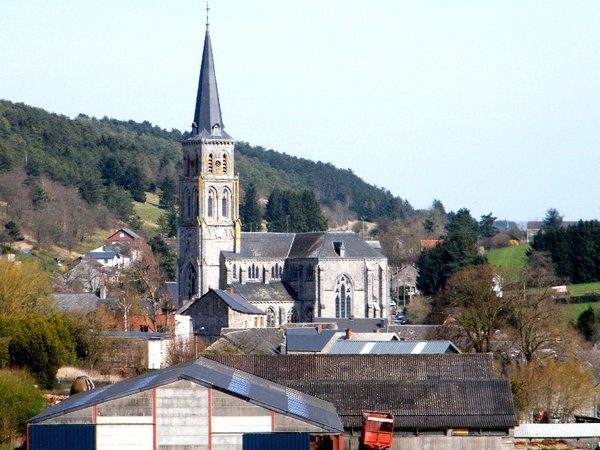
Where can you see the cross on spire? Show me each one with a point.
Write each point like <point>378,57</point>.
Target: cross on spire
<point>207,9</point>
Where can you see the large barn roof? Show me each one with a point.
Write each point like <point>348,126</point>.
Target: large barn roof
<point>422,391</point>
<point>212,374</point>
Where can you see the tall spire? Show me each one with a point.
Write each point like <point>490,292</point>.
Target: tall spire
<point>208,109</point>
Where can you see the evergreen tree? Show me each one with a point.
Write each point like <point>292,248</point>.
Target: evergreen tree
<point>586,323</point>
<point>315,221</point>
<point>167,199</point>
<point>250,210</point>
<point>486,226</point>
<point>552,221</point>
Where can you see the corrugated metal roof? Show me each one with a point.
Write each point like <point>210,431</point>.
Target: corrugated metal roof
<point>212,374</point>
<point>557,430</point>
<point>353,347</point>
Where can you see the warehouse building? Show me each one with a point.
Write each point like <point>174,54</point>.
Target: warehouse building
<point>197,405</point>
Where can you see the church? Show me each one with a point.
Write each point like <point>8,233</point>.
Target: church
<point>288,277</point>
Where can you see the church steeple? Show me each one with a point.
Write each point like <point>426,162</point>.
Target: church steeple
<point>207,116</point>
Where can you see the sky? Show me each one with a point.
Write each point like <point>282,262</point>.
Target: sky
<point>489,105</point>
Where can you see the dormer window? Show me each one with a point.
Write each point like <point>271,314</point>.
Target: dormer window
<point>216,130</point>
<point>339,249</point>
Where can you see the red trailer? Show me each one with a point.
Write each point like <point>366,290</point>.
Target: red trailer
<point>377,430</point>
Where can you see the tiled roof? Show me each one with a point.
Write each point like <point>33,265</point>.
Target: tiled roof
<point>253,341</point>
<point>413,332</point>
<point>424,404</point>
<point>422,391</point>
<point>477,366</point>
<point>356,325</point>
<point>263,245</point>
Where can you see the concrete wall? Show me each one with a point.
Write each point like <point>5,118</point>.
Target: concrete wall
<point>182,416</point>
<point>438,442</point>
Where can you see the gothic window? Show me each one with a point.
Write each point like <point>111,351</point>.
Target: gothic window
<point>343,297</point>
<point>272,271</point>
<point>190,278</point>
<point>224,163</point>
<point>280,270</point>
<point>209,204</point>
<point>310,272</point>
<point>210,163</point>
<point>270,317</point>
<point>188,203</point>
<point>292,316</point>
<point>195,203</point>
<point>253,271</point>
<point>309,314</point>
<point>224,203</point>
<point>234,272</point>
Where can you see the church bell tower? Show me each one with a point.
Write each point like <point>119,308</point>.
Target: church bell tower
<point>208,191</point>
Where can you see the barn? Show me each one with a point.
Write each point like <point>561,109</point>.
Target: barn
<point>197,405</point>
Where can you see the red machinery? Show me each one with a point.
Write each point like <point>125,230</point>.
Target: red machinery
<point>377,430</point>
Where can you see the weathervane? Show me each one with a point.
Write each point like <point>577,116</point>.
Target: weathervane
<point>207,9</point>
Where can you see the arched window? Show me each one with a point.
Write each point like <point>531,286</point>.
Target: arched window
<point>292,315</point>
<point>309,314</point>
<point>234,272</point>
<point>224,203</point>
<point>209,204</point>
<point>188,203</point>
<point>270,317</point>
<point>190,280</point>
<point>224,163</point>
<point>195,203</point>
<point>343,297</point>
<point>253,271</point>
<point>272,271</point>
<point>210,163</point>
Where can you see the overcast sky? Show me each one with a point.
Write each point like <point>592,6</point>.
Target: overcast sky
<point>489,105</point>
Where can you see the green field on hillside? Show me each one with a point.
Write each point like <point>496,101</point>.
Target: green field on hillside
<point>149,211</point>
<point>512,257</point>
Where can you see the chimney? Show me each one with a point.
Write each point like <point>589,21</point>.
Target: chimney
<point>319,328</point>
<point>376,330</point>
<point>229,290</point>
<point>348,333</point>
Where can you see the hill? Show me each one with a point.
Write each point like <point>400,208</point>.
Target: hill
<point>113,162</point>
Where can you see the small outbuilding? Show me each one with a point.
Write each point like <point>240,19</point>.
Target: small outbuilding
<point>200,404</point>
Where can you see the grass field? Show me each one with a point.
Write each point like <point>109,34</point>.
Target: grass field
<point>149,211</point>
<point>512,257</point>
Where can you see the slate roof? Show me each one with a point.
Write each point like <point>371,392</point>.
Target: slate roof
<point>75,302</point>
<point>263,245</point>
<point>303,246</point>
<point>356,347</point>
<point>422,391</point>
<point>307,339</point>
<point>275,291</point>
<point>236,302</point>
<point>208,108</point>
<point>413,332</point>
<point>357,325</point>
<point>214,375</point>
<point>320,245</point>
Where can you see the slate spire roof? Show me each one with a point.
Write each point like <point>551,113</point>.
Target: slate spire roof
<point>208,109</point>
